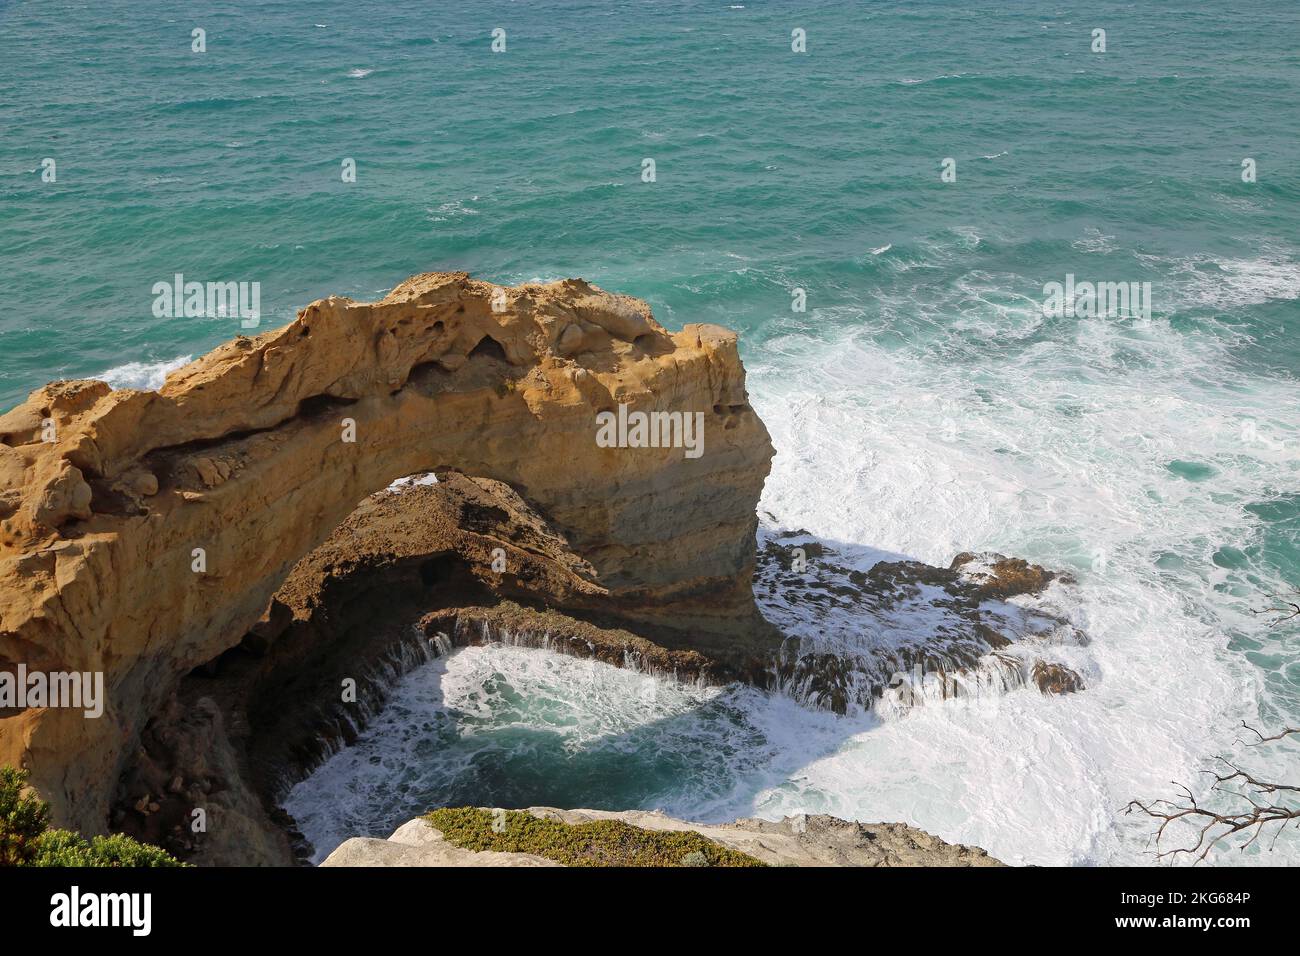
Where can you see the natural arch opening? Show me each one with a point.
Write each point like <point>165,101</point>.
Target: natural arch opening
<point>428,564</point>
<point>241,729</point>
<point>149,537</point>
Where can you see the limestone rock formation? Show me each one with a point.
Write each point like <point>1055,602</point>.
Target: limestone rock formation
<point>447,560</point>
<point>414,571</point>
<point>816,840</point>
<point>142,534</point>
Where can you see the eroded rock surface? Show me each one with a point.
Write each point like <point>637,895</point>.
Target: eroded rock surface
<point>901,631</point>
<point>142,534</point>
<point>451,560</point>
<point>414,571</point>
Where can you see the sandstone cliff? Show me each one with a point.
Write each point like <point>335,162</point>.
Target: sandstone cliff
<point>142,534</point>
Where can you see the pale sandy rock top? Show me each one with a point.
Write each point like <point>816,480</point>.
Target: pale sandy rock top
<point>813,840</point>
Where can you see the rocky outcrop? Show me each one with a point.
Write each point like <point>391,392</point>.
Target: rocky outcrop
<point>413,572</point>
<point>814,840</point>
<point>142,534</point>
<point>450,560</point>
<point>891,634</point>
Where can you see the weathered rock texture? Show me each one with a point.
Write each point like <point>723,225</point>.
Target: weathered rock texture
<point>895,633</point>
<point>419,569</point>
<point>105,495</point>
<point>410,574</point>
<point>818,840</point>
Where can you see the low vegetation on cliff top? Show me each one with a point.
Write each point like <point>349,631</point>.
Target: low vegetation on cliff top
<point>27,840</point>
<point>597,843</point>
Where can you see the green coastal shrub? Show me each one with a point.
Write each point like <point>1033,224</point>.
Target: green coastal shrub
<point>22,819</point>
<point>26,840</point>
<point>597,843</point>
<point>65,848</point>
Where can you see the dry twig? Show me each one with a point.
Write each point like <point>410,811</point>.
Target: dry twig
<point>1285,612</point>
<point>1215,827</point>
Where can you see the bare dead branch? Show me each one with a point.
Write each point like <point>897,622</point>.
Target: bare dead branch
<point>1215,827</point>
<point>1284,608</point>
<point>1263,740</point>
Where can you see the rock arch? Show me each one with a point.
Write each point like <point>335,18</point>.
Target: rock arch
<point>242,454</point>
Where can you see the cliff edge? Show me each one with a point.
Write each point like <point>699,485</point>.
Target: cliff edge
<point>810,840</point>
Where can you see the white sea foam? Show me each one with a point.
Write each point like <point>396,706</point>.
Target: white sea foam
<point>452,209</point>
<point>1094,240</point>
<point>1059,452</point>
<point>413,481</point>
<point>910,81</point>
<point>1065,464</point>
<point>1218,283</point>
<point>146,376</point>
<point>457,717</point>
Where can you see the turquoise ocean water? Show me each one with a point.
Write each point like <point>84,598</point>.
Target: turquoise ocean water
<point>922,404</point>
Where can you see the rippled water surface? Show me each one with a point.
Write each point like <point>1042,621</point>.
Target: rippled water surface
<point>921,405</point>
